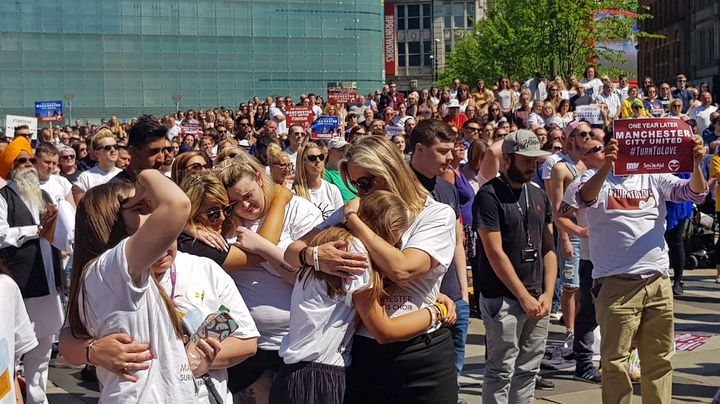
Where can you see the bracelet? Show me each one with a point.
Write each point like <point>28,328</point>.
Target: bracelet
<point>442,309</point>
<point>88,349</point>
<point>346,216</point>
<point>301,256</point>
<point>433,315</point>
<point>316,262</point>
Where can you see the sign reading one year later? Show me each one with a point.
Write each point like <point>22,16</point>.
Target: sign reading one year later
<point>653,146</point>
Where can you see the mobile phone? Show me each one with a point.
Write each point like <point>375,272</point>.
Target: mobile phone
<point>217,325</point>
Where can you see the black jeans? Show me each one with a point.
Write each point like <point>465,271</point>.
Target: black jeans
<point>420,370</point>
<point>675,238</point>
<point>585,321</point>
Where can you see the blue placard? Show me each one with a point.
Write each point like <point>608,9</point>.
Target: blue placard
<point>49,111</point>
<point>325,127</point>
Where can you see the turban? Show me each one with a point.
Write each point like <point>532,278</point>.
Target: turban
<point>11,152</point>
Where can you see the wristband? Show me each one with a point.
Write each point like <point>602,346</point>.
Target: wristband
<point>442,308</point>
<point>316,262</point>
<point>433,315</point>
<point>346,216</point>
<point>301,256</point>
<point>88,348</point>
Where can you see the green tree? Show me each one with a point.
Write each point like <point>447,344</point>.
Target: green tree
<point>518,38</point>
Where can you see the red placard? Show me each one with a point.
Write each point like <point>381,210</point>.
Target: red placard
<point>299,114</point>
<point>390,40</point>
<point>342,92</point>
<point>653,146</point>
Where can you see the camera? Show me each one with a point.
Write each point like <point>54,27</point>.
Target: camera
<point>528,254</point>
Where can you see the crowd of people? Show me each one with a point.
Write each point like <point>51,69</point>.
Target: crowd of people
<point>342,263</point>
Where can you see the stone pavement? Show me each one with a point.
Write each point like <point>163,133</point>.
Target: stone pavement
<point>696,377</point>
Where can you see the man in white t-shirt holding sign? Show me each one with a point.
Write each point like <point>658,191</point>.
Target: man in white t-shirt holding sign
<point>105,147</point>
<point>633,296</point>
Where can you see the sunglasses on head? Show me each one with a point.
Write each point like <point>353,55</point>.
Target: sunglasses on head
<point>197,167</point>
<point>214,214</point>
<point>24,160</point>
<point>363,184</point>
<point>316,157</point>
<point>107,147</point>
<point>595,149</point>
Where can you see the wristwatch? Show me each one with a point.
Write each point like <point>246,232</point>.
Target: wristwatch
<point>346,216</point>
<point>40,229</point>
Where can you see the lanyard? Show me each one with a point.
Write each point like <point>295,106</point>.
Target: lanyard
<point>527,208</point>
<point>173,280</point>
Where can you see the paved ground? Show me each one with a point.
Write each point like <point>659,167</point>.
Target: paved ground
<point>696,378</point>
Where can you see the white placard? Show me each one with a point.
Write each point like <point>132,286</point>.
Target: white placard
<point>11,121</point>
<point>590,113</point>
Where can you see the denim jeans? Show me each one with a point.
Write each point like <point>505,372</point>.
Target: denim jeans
<point>459,333</point>
<point>585,322</point>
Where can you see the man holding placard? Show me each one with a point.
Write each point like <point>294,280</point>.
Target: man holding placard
<point>633,295</point>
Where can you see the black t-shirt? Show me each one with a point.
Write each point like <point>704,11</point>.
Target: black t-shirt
<point>445,192</point>
<point>496,209</point>
<point>86,163</point>
<point>576,101</point>
<point>189,245</point>
<point>71,177</point>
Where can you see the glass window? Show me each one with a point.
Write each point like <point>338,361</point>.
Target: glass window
<point>413,10</point>
<point>413,23</point>
<point>447,15</point>
<point>413,60</point>
<point>459,15</point>
<point>413,47</point>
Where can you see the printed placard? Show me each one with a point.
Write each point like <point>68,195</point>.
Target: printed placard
<point>653,146</point>
<point>49,111</point>
<point>342,92</point>
<point>325,127</point>
<point>299,114</point>
<point>11,121</point>
<point>590,113</point>
<point>194,129</point>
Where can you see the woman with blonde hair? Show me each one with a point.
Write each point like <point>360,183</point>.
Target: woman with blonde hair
<point>227,151</point>
<point>266,287</point>
<point>309,182</point>
<point>416,267</point>
<point>324,307</point>
<point>281,168</point>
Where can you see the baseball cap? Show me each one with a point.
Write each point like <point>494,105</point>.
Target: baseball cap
<point>524,143</point>
<point>637,104</point>
<point>453,103</point>
<point>337,143</point>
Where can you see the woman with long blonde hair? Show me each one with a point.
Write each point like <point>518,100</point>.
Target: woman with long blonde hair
<point>281,168</point>
<point>309,182</point>
<point>324,307</point>
<point>416,267</point>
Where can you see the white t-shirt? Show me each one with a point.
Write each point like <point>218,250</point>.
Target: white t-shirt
<point>535,119</point>
<point>201,287</point>
<point>701,115</point>
<point>611,100</point>
<point>432,231</point>
<point>626,225</point>
<point>596,85</point>
<point>327,198</point>
<point>112,303</point>
<point>570,197</point>
<point>94,177</point>
<point>266,293</point>
<point>16,336</point>
<point>57,187</point>
<point>321,328</point>
<point>549,163</point>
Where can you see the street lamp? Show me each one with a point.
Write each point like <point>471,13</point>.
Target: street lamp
<point>69,97</point>
<point>176,98</point>
<point>435,59</point>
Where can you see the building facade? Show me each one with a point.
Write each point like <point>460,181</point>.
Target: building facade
<point>690,43</point>
<point>424,33</point>
<point>126,57</point>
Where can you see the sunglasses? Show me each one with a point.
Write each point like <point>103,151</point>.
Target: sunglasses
<point>363,184</point>
<point>214,214</point>
<point>470,129</point>
<point>67,157</point>
<point>107,147</point>
<point>298,134</point>
<point>24,160</point>
<point>197,167</point>
<point>594,150</point>
<point>315,158</point>
<point>584,134</point>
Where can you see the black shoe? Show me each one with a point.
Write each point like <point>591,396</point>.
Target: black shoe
<point>590,375</point>
<point>678,289</point>
<point>543,384</point>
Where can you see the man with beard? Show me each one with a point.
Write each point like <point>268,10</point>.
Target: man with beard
<point>146,145</point>
<point>26,218</point>
<point>517,268</point>
<point>168,157</point>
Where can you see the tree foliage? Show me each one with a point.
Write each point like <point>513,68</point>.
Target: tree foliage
<point>518,38</point>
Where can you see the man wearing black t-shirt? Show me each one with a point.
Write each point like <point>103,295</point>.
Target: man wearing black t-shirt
<point>433,142</point>
<point>517,268</point>
<point>146,143</point>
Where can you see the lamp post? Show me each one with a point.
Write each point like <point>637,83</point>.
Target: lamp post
<point>434,58</point>
<point>69,97</point>
<point>176,98</point>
